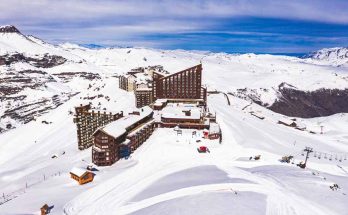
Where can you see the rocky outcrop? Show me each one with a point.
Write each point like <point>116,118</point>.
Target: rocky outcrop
<point>326,54</point>
<point>46,61</point>
<point>14,82</point>
<point>67,76</point>
<point>307,104</point>
<point>331,56</point>
<point>9,29</point>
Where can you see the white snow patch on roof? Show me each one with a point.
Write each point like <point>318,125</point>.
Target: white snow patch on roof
<point>78,171</point>
<point>177,111</point>
<point>118,127</point>
<point>214,128</point>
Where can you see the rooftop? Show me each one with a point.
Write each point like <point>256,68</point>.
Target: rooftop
<point>177,111</point>
<point>140,128</point>
<point>118,127</point>
<point>214,128</point>
<point>78,171</point>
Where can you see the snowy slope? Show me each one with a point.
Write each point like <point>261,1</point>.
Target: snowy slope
<point>330,56</point>
<point>166,175</point>
<point>247,75</point>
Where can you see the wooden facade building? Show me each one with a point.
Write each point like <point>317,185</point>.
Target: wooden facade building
<point>88,120</point>
<point>182,86</point>
<point>122,82</point>
<point>143,97</point>
<point>82,176</point>
<point>110,141</point>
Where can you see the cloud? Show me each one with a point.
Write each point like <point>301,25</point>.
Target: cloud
<point>138,21</point>
<point>334,11</point>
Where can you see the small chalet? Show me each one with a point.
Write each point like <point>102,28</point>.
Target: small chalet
<point>213,133</point>
<point>287,122</point>
<point>82,176</point>
<point>45,209</point>
<point>257,115</point>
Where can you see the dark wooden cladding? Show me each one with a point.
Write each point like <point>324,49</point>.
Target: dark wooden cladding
<point>143,97</point>
<point>106,148</point>
<point>87,121</point>
<point>186,84</point>
<point>122,82</point>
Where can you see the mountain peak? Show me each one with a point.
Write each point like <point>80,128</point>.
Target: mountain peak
<point>337,56</point>
<point>9,29</point>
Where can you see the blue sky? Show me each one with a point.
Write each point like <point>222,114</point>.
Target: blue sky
<point>260,26</point>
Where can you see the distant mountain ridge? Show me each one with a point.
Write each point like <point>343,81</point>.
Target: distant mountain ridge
<point>38,76</point>
<point>337,56</point>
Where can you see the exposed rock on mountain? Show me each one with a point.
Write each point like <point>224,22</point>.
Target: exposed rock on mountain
<point>9,29</point>
<point>67,76</point>
<point>46,61</point>
<point>33,72</point>
<point>308,104</point>
<point>335,56</point>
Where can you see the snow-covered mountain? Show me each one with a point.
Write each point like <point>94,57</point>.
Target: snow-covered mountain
<point>330,56</point>
<point>38,76</point>
<point>41,83</point>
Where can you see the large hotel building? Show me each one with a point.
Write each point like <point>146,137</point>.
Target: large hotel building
<point>182,86</point>
<point>164,100</point>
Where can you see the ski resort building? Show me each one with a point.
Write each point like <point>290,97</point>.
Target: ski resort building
<point>140,77</point>
<point>82,176</point>
<point>143,97</point>
<point>88,120</point>
<point>117,139</point>
<point>183,86</point>
<point>154,84</point>
<point>214,131</point>
<point>183,115</point>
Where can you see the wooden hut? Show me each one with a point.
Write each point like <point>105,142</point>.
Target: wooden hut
<point>214,131</point>
<point>82,176</point>
<point>45,209</point>
<point>287,122</point>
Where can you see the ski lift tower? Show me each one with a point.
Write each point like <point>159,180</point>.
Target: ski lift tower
<point>308,150</point>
